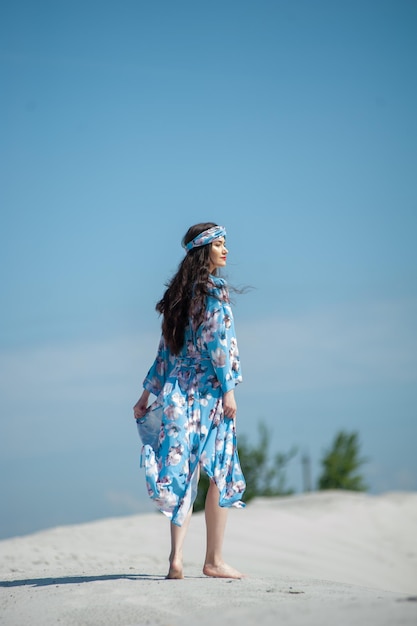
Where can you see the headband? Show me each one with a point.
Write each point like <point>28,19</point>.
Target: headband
<point>207,236</point>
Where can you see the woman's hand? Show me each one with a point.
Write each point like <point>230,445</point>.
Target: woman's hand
<point>229,404</point>
<point>141,405</point>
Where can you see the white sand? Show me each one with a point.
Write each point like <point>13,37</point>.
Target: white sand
<point>325,558</point>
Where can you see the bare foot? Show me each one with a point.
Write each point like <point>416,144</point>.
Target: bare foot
<point>222,570</point>
<point>175,571</point>
<point>174,574</point>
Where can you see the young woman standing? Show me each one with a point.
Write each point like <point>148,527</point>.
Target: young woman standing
<point>193,378</point>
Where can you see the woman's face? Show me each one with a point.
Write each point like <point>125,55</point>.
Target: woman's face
<point>218,254</point>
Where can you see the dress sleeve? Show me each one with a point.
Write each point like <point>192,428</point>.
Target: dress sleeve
<point>222,347</point>
<point>157,374</point>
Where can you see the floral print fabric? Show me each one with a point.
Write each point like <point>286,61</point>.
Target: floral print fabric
<point>206,237</point>
<point>185,427</point>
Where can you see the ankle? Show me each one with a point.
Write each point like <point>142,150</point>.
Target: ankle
<point>213,559</point>
<point>175,557</point>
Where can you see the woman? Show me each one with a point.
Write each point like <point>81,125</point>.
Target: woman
<point>194,375</point>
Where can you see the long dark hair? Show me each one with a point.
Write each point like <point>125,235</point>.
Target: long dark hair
<point>186,291</point>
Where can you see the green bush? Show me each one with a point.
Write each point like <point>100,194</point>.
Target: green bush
<point>340,464</point>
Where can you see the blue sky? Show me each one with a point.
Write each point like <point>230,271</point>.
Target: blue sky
<point>290,122</point>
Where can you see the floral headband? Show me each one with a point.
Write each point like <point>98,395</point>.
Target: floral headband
<point>207,236</point>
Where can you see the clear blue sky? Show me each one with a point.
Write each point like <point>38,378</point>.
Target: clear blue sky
<point>293,123</point>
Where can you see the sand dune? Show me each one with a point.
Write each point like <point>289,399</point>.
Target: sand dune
<point>319,558</point>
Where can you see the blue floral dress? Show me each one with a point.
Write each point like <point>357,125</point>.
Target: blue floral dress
<point>186,427</point>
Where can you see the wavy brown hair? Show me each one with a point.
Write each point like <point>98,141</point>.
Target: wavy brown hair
<point>186,291</point>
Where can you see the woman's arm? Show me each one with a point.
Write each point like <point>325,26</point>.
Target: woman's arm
<point>222,346</point>
<point>141,405</point>
<point>229,404</point>
<point>154,380</point>
<point>156,377</point>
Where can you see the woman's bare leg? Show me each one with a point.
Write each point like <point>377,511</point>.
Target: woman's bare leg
<point>177,541</point>
<point>216,518</point>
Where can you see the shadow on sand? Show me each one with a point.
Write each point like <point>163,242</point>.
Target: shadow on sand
<point>75,580</point>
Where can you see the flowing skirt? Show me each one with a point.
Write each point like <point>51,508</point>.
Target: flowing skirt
<point>183,429</point>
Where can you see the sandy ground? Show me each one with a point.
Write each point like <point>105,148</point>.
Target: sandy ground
<point>322,558</point>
